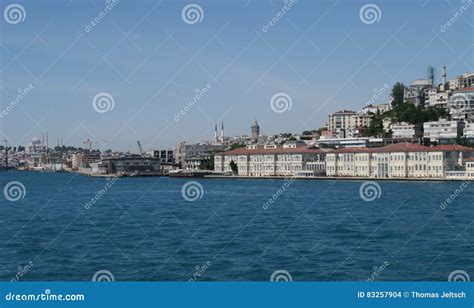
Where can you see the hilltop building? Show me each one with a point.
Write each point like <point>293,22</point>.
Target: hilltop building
<point>254,131</point>
<point>442,130</point>
<point>405,130</point>
<point>461,105</point>
<point>347,123</point>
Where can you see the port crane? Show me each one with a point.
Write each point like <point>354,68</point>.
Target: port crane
<point>140,149</point>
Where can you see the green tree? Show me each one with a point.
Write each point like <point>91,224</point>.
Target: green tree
<point>398,91</point>
<point>208,163</point>
<point>235,146</point>
<point>234,167</point>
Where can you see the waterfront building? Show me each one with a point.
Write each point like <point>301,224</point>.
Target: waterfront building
<point>273,160</point>
<point>35,152</point>
<point>185,152</point>
<point>402,160</point>
<point>405,130</point>
<point>130,166</point>
<point>470,168</point>
<point>442,130</point>
<point>165,156</point>
<point>83,159</point>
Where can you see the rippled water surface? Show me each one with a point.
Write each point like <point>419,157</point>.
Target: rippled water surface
<point>143,229</point>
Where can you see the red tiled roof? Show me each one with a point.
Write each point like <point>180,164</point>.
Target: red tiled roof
<point>470,159</point>
<point>402,147</point>
<point>452,147</point>
<point>468,89</point>
<point>397,147</point>
<point>278,150</point>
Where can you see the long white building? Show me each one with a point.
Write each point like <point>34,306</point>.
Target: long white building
<point>402,160</point>
<point>273,160</point>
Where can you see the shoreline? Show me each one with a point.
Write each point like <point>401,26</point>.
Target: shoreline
<point>275,177</point>
<point>241,177</point>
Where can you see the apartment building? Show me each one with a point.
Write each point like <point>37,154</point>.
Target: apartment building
<point>405,130</point>
<point>184,152</point>
<point>345,123</point>
<point>461,105</point>
<point>443,129</point>
<point>401,160</point>
<point>273,160</point>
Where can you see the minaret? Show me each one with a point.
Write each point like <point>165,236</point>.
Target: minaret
<point>444,74</point>
<point>222,132</point>
<point>215,133</point>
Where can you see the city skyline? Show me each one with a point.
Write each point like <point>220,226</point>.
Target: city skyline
<point>172,79</point>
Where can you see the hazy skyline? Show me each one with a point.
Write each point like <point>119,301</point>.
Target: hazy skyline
<point>224,66</point>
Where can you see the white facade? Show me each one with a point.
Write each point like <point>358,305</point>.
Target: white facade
<point>442,129</point>
<point>272,161</point>
<point>345,123</point>
<point>405,130</point>
<point>461,105</point>
<point>402,160</point>
<point>468,131</point>
<point>470,168</point>
<point>438,99</point>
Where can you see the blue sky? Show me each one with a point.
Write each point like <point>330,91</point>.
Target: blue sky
<point>151,62</point>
